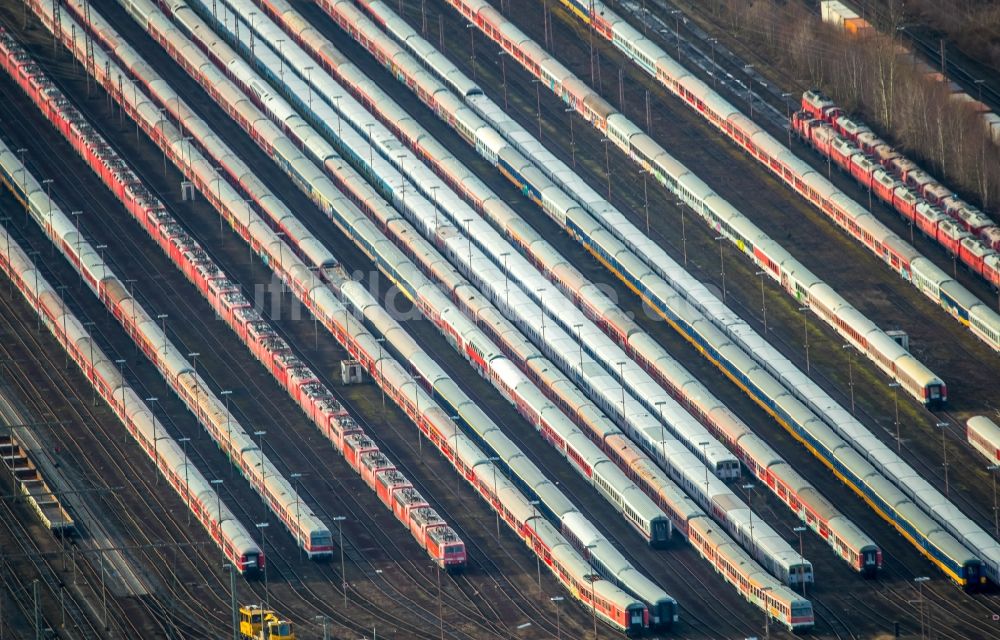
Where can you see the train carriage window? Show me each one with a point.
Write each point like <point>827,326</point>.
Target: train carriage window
<point>979,325</point>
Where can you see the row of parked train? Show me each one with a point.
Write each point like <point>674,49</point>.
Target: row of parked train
<point>548,420</point>
<point>773,552</point>
<point>338,124</point>
<point>396,267</point>
<point>723,217</point>
<point>854,219</point>
<point>794,491</point>
<point>194,489</point>
<point>442,544</point>
<point>225,430</point>
<point>799,495</point>
<point>963,230</point>
<point>610,602</point>
<point>950,539</point>
<point>302,100</point>
<point>783,563</point>
<point>627,499</point>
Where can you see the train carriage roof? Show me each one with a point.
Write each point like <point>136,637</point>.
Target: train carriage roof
<point>557,201</point>
<point>554,70</point>
<point>808,494</point>
<point>137,411</point>
<point>515,160</point>
<point>667,67</point>
<point>107,371</point>
<point>900,247</point>
<point>489,474</point>
<point>173,457</point>
<point>645,146</point>
<point>553,498</point>
<point>646,590</point>
<point>521,139</point>
<point>715,103</point>
<point>725,420</point>
<point>761,453</point>
<point>239,537</point>
<point>927,270</point>
<point>789,159</point>
<point>857,463</point>
<point>173,361</point>
<point>865,328</point>
<point>421,47</point>
<point>740,121</point>
<point>985,427</point>
<point>636,499</point>
<point>852,535</point>
<point>925,493</point>
<point>582,529</point>
<point>597,421</point>
<point>485,12</point>
<point>685,178</point>
<point>623,127</point>
<point>568,559</point>
<point>894,498</point>
<point>815,181</point>
<point>51,305</point>
<point>619,27</point>
<point>550,537</point>
<point>678,502</point>
<point>599,105</point>
<point>874,228</point>
<point>576,87</point>
<point>778,548</point>
<point>801,278</point>
<point>534,52</point>
<point>509,496</point>
<point>915,369</point>
<point>649,49</point>
<point>503,447</point>
<point>508,30</point>
<point>767,143</point>
<point>960,295</point>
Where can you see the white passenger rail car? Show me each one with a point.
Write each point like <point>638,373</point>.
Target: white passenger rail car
<point>984,435</point>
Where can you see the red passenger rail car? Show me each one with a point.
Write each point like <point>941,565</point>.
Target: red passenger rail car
<point>962,230</point>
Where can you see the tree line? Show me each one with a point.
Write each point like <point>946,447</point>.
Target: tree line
<point>973,25</point>
<point>878,79</point>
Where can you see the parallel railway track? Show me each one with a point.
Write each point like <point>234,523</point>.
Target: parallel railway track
<point>464,587</point>
<point>487,568</point>
<point>762,70</point>
<point>31,548</point>
<point>833,380</point>
<point>785,325</point>
<point>49,372</point>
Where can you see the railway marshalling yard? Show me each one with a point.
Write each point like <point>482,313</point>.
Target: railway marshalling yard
<point>139,566</point>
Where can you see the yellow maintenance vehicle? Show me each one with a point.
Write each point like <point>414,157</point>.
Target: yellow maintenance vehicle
<point>263,624</point>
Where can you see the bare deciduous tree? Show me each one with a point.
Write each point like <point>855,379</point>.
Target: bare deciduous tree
<point>877,78</point>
